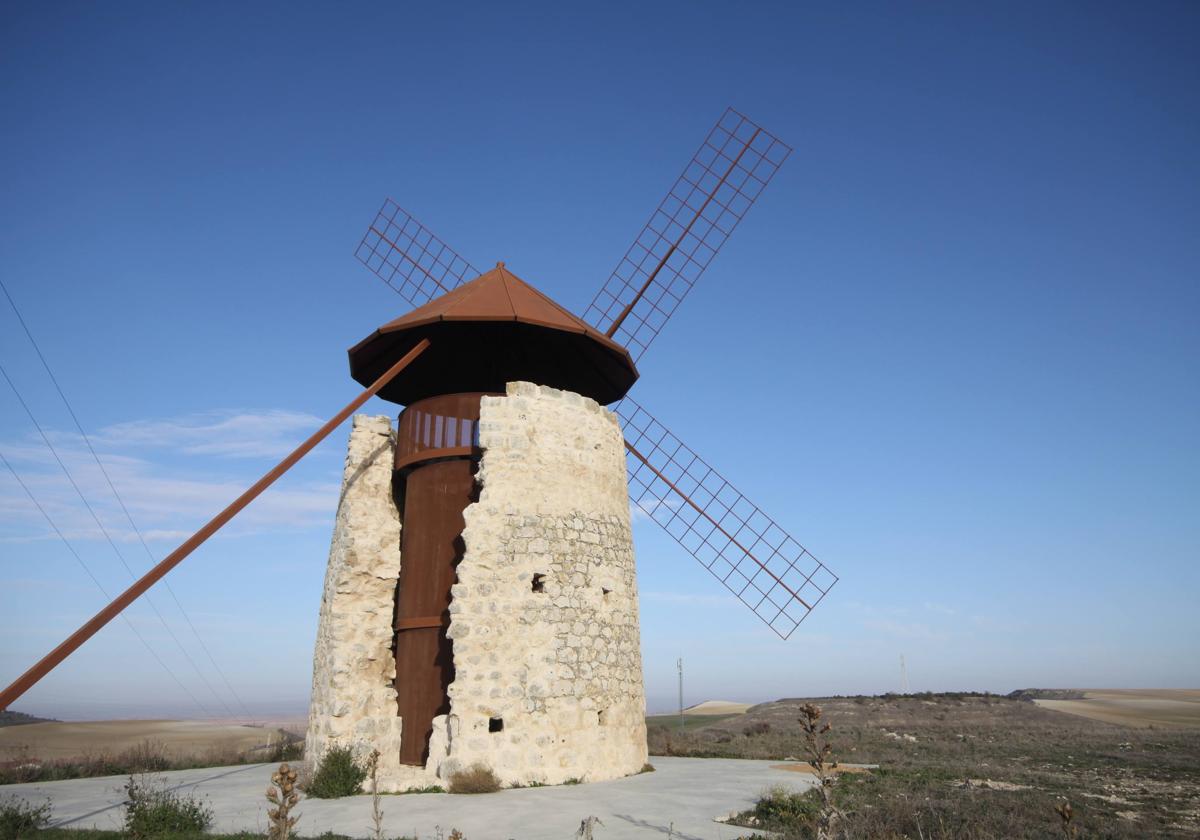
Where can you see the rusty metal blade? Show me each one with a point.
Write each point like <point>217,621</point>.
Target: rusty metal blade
<point>765,567</point>
<point>734,164</point>
<point>408,257</point>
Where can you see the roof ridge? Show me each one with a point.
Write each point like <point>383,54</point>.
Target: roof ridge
<point>466,290</point>
<point>504,278</point>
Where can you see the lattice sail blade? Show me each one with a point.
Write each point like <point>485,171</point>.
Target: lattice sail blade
<point>769,571</point>
<point>408,257</point>
<point>734,164</point>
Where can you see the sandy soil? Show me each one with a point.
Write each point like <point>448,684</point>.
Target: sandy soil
<point>717,707</point>
<point>1134,707</point>
<point>178,738</point>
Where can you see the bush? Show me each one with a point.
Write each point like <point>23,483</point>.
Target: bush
<point>283,751</point>
<point>760,727</point>
<point>478,778</point>
<point>153,811</point>
<point>19,818</point>
<point>781,809</point>
<point>146,757</point>
<point>338,775</point>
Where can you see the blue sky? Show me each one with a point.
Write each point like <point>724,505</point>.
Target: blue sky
<point>953,349</point>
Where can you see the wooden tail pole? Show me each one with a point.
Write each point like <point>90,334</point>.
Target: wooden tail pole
<point>56,656</point>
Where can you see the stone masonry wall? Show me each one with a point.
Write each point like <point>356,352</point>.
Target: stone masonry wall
<point>544,617</point>
<point>544,621</point>
<point>353,702</point>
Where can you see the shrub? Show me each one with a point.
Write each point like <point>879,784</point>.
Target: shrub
<point>153,811</point>
<point>285,750</point>
<point>478,778</point>
<point>19,818</point>
<point>338,775</point>
<point>146,757</point>
<point>780,809</point>
<point>760,727</point>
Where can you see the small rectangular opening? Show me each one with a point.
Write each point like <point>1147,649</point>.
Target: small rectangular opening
<point>495,724</point>
<point>602,717</point>
<point>539,583</point>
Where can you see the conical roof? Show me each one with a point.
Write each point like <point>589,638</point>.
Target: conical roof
<point>488,332</point>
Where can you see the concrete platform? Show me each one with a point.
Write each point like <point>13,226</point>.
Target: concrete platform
<point>686,793</point>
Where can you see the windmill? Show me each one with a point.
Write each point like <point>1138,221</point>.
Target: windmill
<point>496,336</point>
<point>482,556</point>
<point>769,571</point>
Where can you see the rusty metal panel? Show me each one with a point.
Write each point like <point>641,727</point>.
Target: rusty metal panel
<point>734,164</point>
<point>434,498</point>
<point>764,566</point>
<point>438,427</point>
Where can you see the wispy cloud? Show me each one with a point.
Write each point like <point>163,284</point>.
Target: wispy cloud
<point>227,434</point>
<point>167,496</point>
<point>901,623</point>
<point>645,511</point>
<point>689,598</point>
<point>904,629</point>
<point>940,609</point>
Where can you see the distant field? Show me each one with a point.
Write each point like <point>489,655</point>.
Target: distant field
<point>176,738</point>
<point>717,707</point>
<point>1134,707</point>
<point>688,721</point>
<point>980,765</point>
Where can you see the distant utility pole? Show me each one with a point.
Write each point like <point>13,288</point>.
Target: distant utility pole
<point>679,665</point>
<point>903,676</point>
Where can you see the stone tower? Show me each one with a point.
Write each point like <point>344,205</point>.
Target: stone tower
<point>480,601</point>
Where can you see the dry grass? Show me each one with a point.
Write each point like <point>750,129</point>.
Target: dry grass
<point>478,778</point>
<point>978,766</point>
<point>19,763</point>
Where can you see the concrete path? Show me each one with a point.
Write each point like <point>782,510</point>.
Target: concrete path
<point>686,793</point>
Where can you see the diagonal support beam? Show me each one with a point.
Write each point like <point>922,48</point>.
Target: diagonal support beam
<point>55,657</point>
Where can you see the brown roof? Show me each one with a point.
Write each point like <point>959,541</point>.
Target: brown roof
<point>495,329</point>
<point>499,295</point>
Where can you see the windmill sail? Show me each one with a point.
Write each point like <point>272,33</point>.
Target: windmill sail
<point>733,165</point>
<point>769,571</point>
<point>409,258</point>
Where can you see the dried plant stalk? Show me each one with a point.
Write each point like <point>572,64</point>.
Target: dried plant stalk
<point>376,804</point>
<point>820,759</point>
<point>284,796</point>
<point>1067,817</point>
